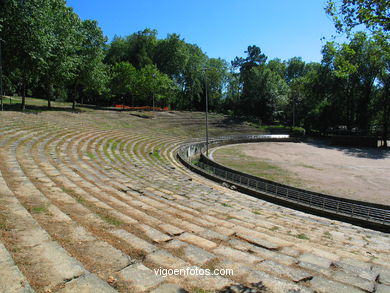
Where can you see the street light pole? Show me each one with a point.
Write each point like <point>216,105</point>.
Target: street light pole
<point>1,79</point>
<point>207,122</point>
<point>293,122</point>
<point>154,80</point>
<point>294,113</point>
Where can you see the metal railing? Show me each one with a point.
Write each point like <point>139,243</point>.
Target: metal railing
<point>290,196</point>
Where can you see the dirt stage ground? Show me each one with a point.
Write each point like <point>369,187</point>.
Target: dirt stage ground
<point>356,173</point>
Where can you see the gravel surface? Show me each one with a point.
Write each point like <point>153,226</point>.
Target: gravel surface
<point>356,173</point>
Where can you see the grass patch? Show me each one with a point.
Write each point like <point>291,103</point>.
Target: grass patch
<point>212,264</point>
<point>114,145</point>
<point>80,200</point>
<point>67,190</point>
<point>107,145</point>
<point>256,212</point>
<point>279,129</point>
<point>3,223</point>
<point>234,158</point>
<point>231,218</point>
<point>328,235</point>
<point>202,291</point>
<point>302,236</point>
<point>274,228</point>
<point>122,149</point>
<point>91,155</point>
<point>146,115</point>
<point>156,154</point>
<point>308,166</point>
<point>226,204</point>
<point>111,220</point>
<point>39,210</point>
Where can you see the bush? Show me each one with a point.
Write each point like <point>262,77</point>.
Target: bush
<point>298,132</point>
<point>280,129</point>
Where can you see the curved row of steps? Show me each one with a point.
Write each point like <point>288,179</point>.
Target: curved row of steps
<point>89,204</point>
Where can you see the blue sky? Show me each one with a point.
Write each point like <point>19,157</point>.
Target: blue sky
<point>222,28</point>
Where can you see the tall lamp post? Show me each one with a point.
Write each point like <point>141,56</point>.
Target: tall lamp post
<point>207,111</point>
<point>154,80</point>
<point>1,79</point>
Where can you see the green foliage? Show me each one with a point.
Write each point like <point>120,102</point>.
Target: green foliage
<point>112,221</point>
<point>349,14</point>
<point>298,131</point>
<point>50,52</point>
<point>302,236</point>
<point>202,291</point>
<point>91,73</point>
<point>281,129</point>
<point>49,48</point>
<point>38,210</point>
<point>264,91</point>
<point>156,154</point>
<point>123,81</point>
<point>91,155</point>
<point>171,56</point>
<point>154,85</point>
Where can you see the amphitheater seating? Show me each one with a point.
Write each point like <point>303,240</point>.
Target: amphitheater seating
<point>95,201</point>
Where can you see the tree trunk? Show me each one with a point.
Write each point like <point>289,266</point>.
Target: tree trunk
<point>74,98</point>
<point>363,108</point>
<point>49,95</point>
<point>23,97</point>
<point>349,110</point>
<point>386,111</point>
<point>385,122</point>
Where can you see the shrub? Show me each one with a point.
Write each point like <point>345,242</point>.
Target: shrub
<point>298,132</point>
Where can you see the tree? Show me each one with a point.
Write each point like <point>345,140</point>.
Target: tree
<point>216,77</point>
<point>24,31</point>
<point>356,67</point>
<point>91,73</point>
<point>124,82</point>
<point>249,77</point>
<point>63,34</point>
<point>137,49</point>
<point>191,82</point>
<point>349,14</point>
<point>41,37</point>
<point>278,66</point>
<point>233,92</point>
<point>141,46</point>
<point>117,51</point>
<point>294,68</point>
<point>154,87</point>
<point>171,56</point>
<point>382,102</point>
<point>309,103</point>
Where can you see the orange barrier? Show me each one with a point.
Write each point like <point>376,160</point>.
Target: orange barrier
<point>142,108</point>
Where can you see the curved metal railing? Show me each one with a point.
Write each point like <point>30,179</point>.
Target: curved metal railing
<point>367,214</point>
